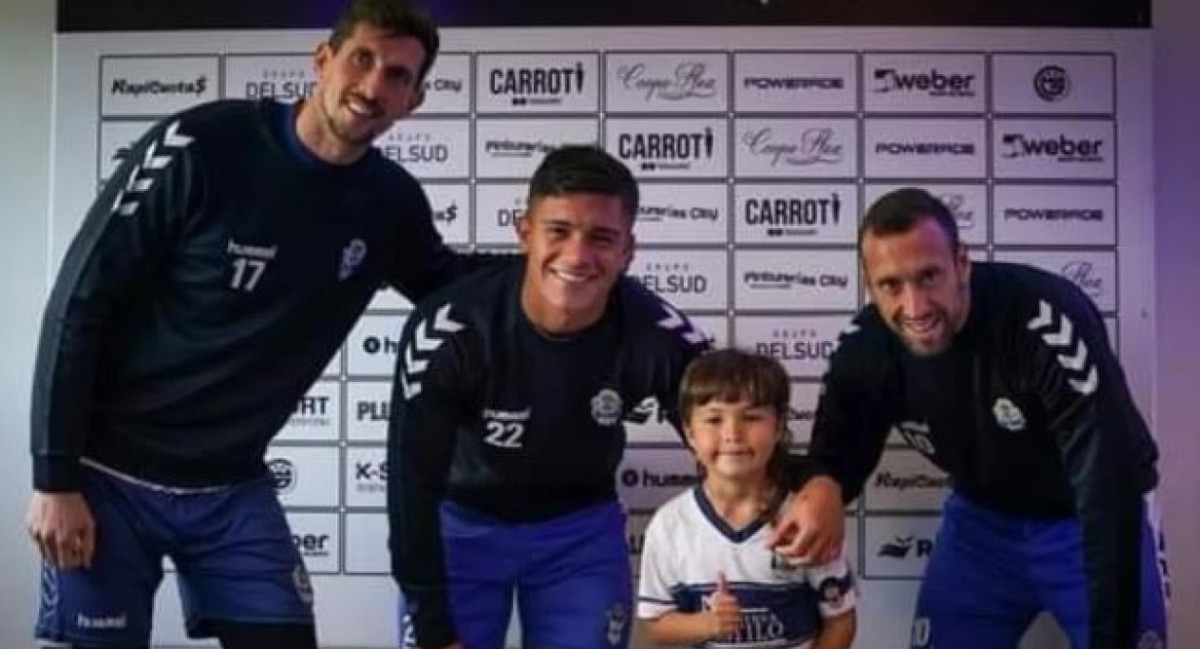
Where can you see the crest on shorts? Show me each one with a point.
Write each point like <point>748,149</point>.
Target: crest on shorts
<point>1008,415</point>
<point>302,583</point>
<point>1150,640</point>
<point>352,257</point>
<point>617,619</point>
<point>606,407</point>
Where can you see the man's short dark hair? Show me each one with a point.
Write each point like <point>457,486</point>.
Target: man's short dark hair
<point>900,211</point>
<point>397,17</point>
<point>584,169</point>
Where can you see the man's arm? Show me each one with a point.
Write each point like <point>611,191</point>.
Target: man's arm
<point>1069,363</point>
<point>426,414</point>
<point>425,263</point>
<point>848,436</point>
<point>128,234</point>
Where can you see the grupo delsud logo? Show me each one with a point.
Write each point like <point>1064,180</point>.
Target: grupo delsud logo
<point>1052,83</point>
<point>283,471</point>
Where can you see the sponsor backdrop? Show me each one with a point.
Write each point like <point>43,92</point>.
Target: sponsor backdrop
<point>757,150</point>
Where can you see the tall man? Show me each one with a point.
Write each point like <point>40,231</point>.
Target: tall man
<point>1003,376</point>
<point>212,280</point>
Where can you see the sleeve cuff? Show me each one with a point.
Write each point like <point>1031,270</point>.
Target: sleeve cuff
<point>431,621</point>
<point>56,473</point>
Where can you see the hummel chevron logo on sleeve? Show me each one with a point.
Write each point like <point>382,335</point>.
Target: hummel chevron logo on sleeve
<point>428,336</point>
<point>127,203</point>
<point>676,322</point>
<point>1072,351</point>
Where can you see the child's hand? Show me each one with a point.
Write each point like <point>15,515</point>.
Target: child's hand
<point>724,611</point>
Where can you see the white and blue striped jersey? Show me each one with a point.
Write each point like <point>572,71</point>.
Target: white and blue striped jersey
<point>687,545</point>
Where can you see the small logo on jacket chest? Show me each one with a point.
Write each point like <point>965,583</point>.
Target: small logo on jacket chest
<point>352,257</point>
<point>606,407</point>
<point>1008,415</point>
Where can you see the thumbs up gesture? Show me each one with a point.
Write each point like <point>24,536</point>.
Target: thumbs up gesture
<point>724,611</point>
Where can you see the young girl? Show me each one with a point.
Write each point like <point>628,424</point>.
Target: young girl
<point>708,578</point>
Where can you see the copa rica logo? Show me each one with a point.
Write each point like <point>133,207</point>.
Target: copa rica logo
<point>283,471</point>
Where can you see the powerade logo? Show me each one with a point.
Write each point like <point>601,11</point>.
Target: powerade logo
<point>1053,214</point>
<point>925,148</point>
<point>536,85</point>
<point>933,83</point>
<point>794,83</point>
<point>1061,149</point>
<point>689,79</point>
<point>283,471</point>
<point>902,546</point>
<point>157,87</point>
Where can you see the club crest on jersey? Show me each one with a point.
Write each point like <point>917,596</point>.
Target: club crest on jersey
<point>1008,415</point>
<point>352,257</point>
<point>606,407</point>
<point>616,619</point>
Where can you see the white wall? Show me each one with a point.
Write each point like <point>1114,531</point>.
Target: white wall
<point>25,68</point>
<point>25,46</point>
<point>1177,267</point>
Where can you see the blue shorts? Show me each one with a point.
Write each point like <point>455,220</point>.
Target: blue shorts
<point>570,577</point>
<point>232,548</point>
<point>990,574</point>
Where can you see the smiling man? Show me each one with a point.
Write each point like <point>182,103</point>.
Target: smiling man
<point>1004,377</point>
<point>213,279</point>
<point>507,424</point>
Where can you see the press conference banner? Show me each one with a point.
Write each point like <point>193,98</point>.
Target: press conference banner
<point>757,149</point>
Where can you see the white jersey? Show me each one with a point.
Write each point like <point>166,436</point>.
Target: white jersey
<point>687,544</point>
